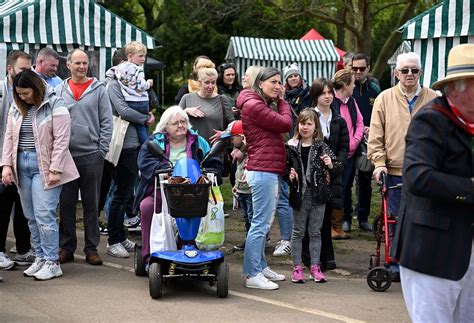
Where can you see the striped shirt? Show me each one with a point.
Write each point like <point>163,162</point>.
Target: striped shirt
<point>27,140</point>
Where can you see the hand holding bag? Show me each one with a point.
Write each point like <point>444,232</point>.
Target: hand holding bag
<point>211,233</point>
<point>361,161</point>
<point>116,143</point>
<point>162,233</point>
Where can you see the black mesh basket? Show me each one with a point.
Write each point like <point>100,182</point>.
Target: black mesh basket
<point>187,200</point>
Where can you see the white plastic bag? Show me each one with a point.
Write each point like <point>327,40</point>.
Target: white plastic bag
<point>116,142</point>
<point>162,232</point>
<point>211,233</point>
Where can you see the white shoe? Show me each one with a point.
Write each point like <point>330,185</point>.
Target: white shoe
<point>50,270</point>
<point>283,248</point>
<point>117,250</point>
<point>34,268</point>
<point>260,282</point>
<point>5,262</point>
<point>25,259</point>
<point>271,275</point>
<point>128,245</point>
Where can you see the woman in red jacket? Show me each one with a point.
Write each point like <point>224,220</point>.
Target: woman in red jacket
<point>265,117</point>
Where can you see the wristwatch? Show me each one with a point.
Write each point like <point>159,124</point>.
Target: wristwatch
<point>55,172</point>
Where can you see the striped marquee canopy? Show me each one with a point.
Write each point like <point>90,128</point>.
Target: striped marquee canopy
<point>434,32</point>
<point>316,58</point>
<point>64,25</point>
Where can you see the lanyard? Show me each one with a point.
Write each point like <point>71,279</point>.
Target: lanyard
<point>411,103</point>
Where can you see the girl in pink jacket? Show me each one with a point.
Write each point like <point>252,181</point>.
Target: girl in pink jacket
<point>37,159</point>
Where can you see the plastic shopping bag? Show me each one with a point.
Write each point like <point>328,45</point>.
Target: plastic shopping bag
<point>211,230</point>
<point>162,232</point>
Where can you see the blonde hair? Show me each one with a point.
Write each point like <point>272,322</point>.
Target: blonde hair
<point>134,47</point>
<point>252,72</point>
<point>312,115</point>
<point>206,71</point>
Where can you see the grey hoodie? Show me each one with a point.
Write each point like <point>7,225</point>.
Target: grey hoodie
<point>91,118</point>
<point>7,100</point>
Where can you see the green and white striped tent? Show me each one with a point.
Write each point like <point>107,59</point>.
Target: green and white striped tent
<point>316,58</point>
<point>64,25</point>
<point>434,32</point>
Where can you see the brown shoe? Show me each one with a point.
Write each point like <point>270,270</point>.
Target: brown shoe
<point>93,258</point>
<point>65,256</point>
<point>336,231</point>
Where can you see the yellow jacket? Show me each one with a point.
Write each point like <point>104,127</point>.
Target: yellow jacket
<point>389,124</point>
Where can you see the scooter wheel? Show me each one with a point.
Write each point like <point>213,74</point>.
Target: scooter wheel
<point>155,280</point>
<point>138,263</point>
<point>379,279</point>
<point>223,280</point>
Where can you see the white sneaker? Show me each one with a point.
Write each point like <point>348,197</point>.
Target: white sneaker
<point>34,268</point>
<point>5,262</point>
<point>117,250</point>
<point>271,275</point>
<point>128,245</point>
<point>260,282</point>
<point>283,248</point>
<point>50,270</point>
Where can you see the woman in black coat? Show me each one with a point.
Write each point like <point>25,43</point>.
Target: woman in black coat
<point>336,136</point>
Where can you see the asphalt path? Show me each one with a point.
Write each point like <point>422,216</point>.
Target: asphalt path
<point>112,293</point>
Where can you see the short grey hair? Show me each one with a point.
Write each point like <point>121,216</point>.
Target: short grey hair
<point>411,56</point>
<point>459,86</point>
<point>206,71</point>
<point>168,115</point>
<point>47,52</point>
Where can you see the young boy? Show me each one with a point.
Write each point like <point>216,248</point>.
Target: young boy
<point>241,188</point>
<point>132,81</point>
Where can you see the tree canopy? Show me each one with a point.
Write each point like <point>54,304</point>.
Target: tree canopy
<point>188,28</point>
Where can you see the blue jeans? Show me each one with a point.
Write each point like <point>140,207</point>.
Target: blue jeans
<point>264,187</point>
<point>245,201</point>
<point>284,210</point>
<point>142,130</point>
<point>39,206</point>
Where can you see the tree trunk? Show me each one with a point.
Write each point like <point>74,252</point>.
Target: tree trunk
<point>392,41</point>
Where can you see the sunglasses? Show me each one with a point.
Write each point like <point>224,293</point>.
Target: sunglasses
<point>362,68</point>
<point>225,66</point>
<point>408,70</point>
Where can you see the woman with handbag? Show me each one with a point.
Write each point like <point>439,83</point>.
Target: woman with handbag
<point>265,117</point>
<point>37,159</point>
<point>174,135</point>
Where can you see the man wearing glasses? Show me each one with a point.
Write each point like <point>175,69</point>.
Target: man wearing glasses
<point>393,111</point>
<point>366,90</point>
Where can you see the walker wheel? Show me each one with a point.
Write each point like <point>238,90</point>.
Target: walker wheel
<point>155,280</point>
<point>379,279</point>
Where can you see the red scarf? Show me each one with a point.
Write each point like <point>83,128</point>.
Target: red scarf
<point>453,114</point>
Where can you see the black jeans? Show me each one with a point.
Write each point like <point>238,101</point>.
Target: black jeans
<point>364,192</point>
<point>90,169</point>
<point>125,176</point>
<point>8,198</point>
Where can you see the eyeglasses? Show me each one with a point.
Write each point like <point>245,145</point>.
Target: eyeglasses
<point>408,70</point>
<point>225,66</point>
<point>294,75</point>
<point>177,123</point>
<point>362,68</point>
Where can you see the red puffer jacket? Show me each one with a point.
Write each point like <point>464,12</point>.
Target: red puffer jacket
<point>263,129</point>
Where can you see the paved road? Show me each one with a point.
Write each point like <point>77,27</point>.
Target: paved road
<point>113,293</point>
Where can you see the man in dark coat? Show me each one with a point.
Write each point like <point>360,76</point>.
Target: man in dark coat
<point>434,237</point>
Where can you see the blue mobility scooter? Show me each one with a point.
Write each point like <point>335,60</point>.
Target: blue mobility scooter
<point>187,203</point>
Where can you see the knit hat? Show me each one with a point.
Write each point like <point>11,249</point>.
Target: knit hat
<point>236,128</point>
<point>291,69</point>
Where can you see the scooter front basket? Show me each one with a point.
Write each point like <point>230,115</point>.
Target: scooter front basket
<point>187,200</point>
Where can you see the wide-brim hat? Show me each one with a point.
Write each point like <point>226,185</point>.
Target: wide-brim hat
<point>460,65</point>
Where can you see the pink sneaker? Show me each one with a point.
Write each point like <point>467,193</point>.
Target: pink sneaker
<point>317,274</point>
<point>297,276</point>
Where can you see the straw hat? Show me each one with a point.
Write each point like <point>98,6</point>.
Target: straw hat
<point>460,64</point>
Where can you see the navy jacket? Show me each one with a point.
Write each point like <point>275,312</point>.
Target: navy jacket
<point>365,94</point>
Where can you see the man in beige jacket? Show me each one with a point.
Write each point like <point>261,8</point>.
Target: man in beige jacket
<point>392,113</point>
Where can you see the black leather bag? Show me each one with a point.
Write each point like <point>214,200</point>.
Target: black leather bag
<point>362,163</point>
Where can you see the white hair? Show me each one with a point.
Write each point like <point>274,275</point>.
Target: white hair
<point>411,56</point>
<point>169,114</point>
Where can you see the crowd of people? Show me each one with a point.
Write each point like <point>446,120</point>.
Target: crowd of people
<point>294,155</point>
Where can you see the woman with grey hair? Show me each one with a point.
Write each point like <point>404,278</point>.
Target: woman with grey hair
<point>176,138</point>
<point>265,117</point>
<point>207,110</point>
